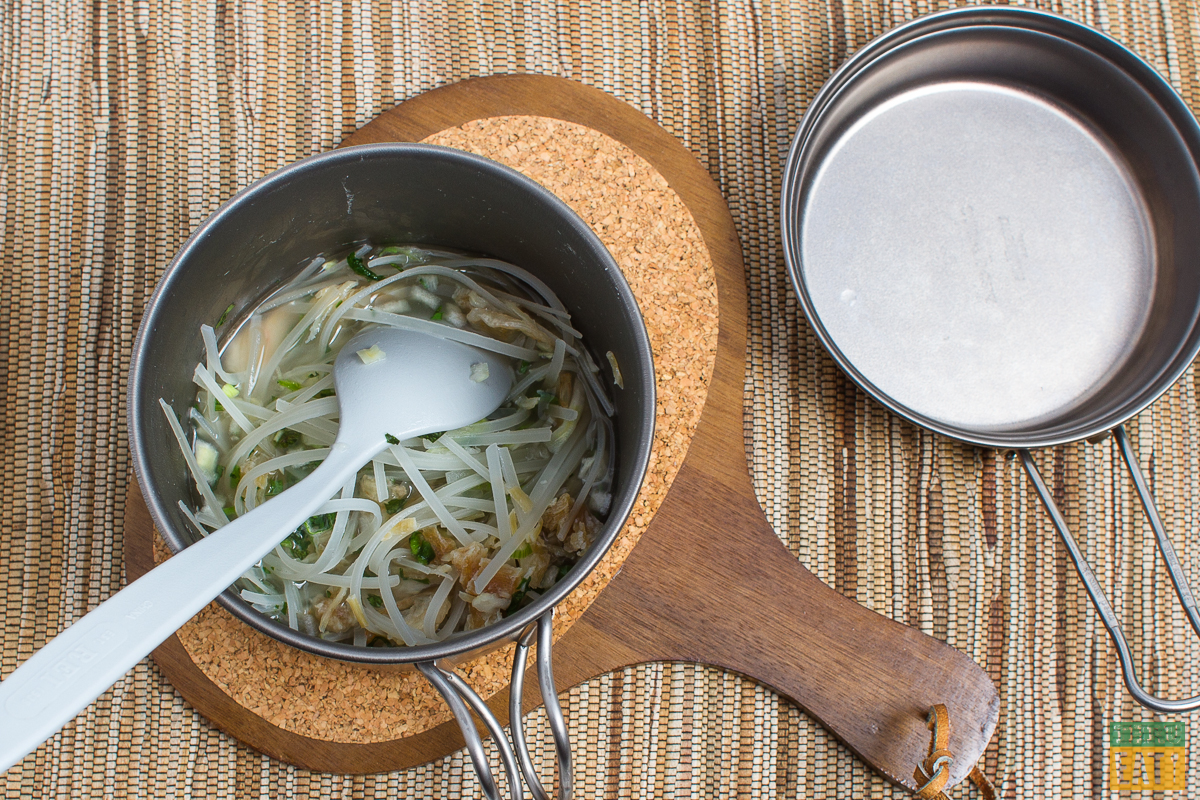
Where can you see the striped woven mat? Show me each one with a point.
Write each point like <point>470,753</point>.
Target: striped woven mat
<point>123,124</point>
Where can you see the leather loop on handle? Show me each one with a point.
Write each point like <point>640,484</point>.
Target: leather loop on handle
<point>1099,600</point>
<point>933,773</point>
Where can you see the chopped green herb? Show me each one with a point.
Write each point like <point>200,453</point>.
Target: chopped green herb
<point>274,487</point>
<point>220,470</point>
<point>230,511</point>
<point>291,386</point>
<point>524,551</point>
<point>319,524</point>
<point>329,592</point>
<point>267,569</point>
<point>391,439</point>
<point>562,571</point>
<point>522,367</point>
<point>395,505</point>
<point>324,393</point>
<point>298,543</point>
<point>235,476</point>
<point>437,314</point>
<point>517,598</point>
<point>375,600</point>
<point>421,550</point>
<point>433,437</point>
<point>392,251</point>
<point>546,397</point>
<point>224,315</point>
<point>358,266</point>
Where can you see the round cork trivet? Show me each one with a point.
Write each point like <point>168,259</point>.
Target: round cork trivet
<point>656,242</point>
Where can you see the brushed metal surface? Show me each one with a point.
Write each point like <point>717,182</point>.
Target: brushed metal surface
<point>992,220</point>
<point>978,253</point>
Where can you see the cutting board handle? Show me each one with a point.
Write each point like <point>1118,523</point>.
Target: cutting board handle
<point>730,594</point>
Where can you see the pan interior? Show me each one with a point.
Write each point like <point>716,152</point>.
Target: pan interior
<point>978,253</point>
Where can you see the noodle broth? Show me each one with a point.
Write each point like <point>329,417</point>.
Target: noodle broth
<point>439,534</point>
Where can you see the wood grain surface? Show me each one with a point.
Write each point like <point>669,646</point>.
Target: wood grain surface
<point>755,610</point>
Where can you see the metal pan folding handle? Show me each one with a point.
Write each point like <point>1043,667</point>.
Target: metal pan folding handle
<point>1103,607</point>
<point>462,700</point>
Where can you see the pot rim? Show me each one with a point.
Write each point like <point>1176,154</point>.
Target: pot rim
<point>475,641</point>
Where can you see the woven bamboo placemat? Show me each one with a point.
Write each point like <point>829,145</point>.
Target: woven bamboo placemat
<point>124,124</point>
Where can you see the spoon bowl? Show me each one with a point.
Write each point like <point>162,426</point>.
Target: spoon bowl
<point>389,382</point>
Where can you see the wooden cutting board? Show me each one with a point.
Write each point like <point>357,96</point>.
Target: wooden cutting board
<point>757,611</point>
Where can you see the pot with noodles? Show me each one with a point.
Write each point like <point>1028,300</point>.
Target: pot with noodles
<point>443,546</point>
<point>436,535</point>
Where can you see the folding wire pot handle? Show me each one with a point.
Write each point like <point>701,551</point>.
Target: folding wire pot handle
<point>515,757</point>
<point>1103,607</point>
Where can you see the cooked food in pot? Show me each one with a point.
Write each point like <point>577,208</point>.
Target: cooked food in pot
<point>438,534</point>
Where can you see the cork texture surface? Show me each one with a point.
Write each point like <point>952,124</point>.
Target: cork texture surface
<point>654,240</point>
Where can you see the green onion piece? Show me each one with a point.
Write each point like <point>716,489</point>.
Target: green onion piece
<point>391,250</point>
<point>319,524</point>
<point>522,367</point>
<point>422,550</point>
<point>274,487</point>
<point>323,393</point>
<point>358,266</point>
<point>437,314</point>
<point>287,438</point>
<point>391,439</point>
<point>224,315</point>
<point>517,598</point>
<point>235,476</point>
<point>546,397</point>
<point>375,600</point>
<point>291,386</point>
<point>433,437</point>
<point>298,543</point>
<point>230,511</point>
<point>395,505</point>
<point>524,551</point>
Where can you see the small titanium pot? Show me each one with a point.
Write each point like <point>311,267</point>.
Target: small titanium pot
<point>992,219</point>
<point>394,192</point>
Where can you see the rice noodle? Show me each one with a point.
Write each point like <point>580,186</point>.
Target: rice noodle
<point>378,560</point>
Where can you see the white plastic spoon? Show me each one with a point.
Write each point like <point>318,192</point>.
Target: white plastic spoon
<point>420,385</point>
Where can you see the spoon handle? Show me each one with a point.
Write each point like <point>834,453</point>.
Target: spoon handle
<point>62,678</point>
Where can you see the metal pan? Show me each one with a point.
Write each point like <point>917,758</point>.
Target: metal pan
<point>992,219</point>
